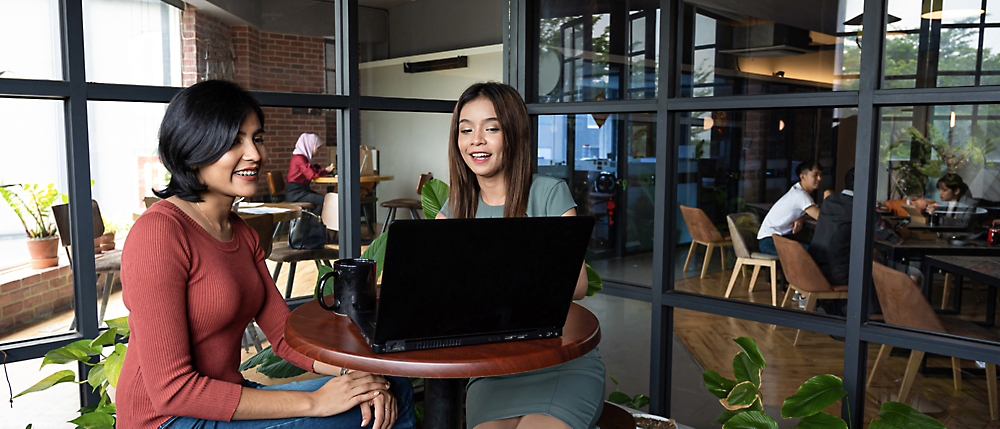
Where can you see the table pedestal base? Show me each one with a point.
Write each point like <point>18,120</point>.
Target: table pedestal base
<point>443,403</point>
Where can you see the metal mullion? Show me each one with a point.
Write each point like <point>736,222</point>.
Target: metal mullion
<point>662,315</point>
<point>768,101</point>
<point>78,168</point>
<point>348,128</point>
<point>960,347</point>
<point>35,348</point>
<point>624,106</point>
<point>866,162</point>
<point>627,290</point>
<point>30,88</point>
<point>315,101</point>
<point>919,96</point>
<point>396,104</point>
<point>760,313</point>
<point>133,93</point>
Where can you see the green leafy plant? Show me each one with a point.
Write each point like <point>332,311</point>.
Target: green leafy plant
<point>931,156</point>
<point>32,202</point>
<point>745,409</point>
<point>102,375</point>
<point>634,402</point>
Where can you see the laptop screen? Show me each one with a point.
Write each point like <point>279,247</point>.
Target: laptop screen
<point>458,277</point>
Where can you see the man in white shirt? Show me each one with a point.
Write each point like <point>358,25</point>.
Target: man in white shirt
<point>786,215</point>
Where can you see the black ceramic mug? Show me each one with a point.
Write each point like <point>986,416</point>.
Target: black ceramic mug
<point>353,286</point>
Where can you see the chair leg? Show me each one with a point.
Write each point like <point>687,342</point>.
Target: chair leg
<point>991,386</point>
<point>291,279</point>
<point>956,373</point>
<point>708,257</point>
<point>947,288</point>
<point>883,354</point>
<point>722,252</point>
<point>390,215</point>
<point>414,213</point>
<point>774,283</point>
<point>916,357</point>
<point>788,293</point>
<point>252,333</point>
<point>277,270</point>
<point>753,278</point>
<point>690,252</point>
<point>810,307</point>
<point>109,284</point>
<point>368,220</point>
<point>732,278</point>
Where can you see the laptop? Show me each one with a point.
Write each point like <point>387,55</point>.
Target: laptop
<point>916,218</point>
<point>454,282</point>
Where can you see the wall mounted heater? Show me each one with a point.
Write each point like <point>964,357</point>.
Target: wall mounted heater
<point>434,65</point>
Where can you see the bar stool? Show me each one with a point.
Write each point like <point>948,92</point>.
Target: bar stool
<point>411,204</point>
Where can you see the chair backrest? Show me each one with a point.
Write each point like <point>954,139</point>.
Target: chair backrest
<point>331,211</point>
<point>264,225</point>
<point>799,267</point>
<point>902,302</point>
<point>61,213</point>
<point>275,185</point>
<point>424,178</point>
<point>699,225</point>
<point>742,228</point>
<point>149,201</point>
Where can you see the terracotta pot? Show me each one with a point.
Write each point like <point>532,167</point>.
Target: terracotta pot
<point>44,252</point>
<point>108,241</point>
<point>97,245</point>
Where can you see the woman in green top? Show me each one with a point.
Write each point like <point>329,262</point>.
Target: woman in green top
<point>489,157</point>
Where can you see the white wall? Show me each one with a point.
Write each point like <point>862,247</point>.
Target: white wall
<point>413,143</point>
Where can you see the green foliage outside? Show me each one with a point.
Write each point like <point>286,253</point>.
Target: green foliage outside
<point>745,407</point>
<point>102,374</point>
<point>31,203</point>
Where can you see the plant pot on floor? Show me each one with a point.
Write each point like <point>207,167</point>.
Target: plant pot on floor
<point>108,241</point>
<point>44,252</point>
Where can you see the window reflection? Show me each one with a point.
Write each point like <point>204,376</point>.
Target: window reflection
<point>609,161</point>
<point>597,51</point>
<point>738,49</point>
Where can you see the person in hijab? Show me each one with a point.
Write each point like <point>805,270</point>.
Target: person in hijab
<point>301,171</point>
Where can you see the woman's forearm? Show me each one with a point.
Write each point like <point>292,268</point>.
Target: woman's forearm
<point>258,404</point>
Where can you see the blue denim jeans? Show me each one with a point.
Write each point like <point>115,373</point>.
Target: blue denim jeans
<point>400,388</point>
<point>766,245</point>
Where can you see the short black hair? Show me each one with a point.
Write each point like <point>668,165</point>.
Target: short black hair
<point>849,180</point>
<point>955,183</point>
<point>200,125</point>
<point>807,166</point>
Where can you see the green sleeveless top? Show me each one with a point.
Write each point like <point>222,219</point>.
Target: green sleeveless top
<point>548,196</point>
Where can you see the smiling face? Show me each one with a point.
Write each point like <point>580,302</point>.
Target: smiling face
<point>480,139</point>
<point>235,174</point>
<point>811,179</point>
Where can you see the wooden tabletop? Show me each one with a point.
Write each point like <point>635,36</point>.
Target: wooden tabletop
<point>287,211</point>
<point>327,337</point>
<point>330,180</point>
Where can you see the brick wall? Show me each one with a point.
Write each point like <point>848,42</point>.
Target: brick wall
<point>263,61</point>
<point>28,295</point>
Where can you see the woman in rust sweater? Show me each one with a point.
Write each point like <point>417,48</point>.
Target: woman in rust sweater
<point>193,277</point>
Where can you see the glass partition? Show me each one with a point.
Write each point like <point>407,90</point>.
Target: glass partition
<point>609,162</point>
<point>741,48</point>
<point>32,40</point>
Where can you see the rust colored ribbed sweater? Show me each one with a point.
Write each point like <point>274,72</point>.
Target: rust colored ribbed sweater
<point>190,297</point>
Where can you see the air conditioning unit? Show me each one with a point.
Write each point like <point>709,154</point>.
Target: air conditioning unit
<point>769,40</point>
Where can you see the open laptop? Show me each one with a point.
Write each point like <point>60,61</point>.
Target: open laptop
<point>916,218</point>
<point>453,282</point>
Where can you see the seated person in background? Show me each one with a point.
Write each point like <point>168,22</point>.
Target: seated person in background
<point>301,171</point>
<point>785,216</point>
<point>957,206</point>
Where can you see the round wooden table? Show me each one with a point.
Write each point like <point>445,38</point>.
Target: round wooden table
<point>329,338</point>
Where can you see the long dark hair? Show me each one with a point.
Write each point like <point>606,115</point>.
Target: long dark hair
<point>512,114</point>
<point>955,183</point>
<point>200,125</point>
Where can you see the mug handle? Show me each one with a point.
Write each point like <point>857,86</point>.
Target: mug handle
<point>322,285</point>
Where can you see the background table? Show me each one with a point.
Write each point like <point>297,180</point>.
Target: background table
<point>332,181</point>
<point>287,211</point>
<point>327,337</point>
<point>917,249</point>
<point>985,269</point>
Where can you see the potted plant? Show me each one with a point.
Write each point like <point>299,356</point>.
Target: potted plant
<point>108,239</point>
<point>32,202</point>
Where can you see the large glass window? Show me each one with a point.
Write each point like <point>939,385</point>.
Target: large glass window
<point>741,48</point>
<point>609,162</point>
<point>597,51</point>
<point>941,43</point>
<point>32,42</point>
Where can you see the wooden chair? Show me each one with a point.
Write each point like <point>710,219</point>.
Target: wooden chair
<point>742,228</point>
<point>149,201</point>
<point>263,224</point>
<point>804,276</point>
<point>414,205</point>
<point>282,253</point>
<point>108,265</point>
<point>903,304</point>
<point>705,233</point>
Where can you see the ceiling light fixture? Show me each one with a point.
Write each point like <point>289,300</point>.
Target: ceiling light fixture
<point>952,14</point>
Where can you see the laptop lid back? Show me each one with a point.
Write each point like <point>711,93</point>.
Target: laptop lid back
<point>460,277</point>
